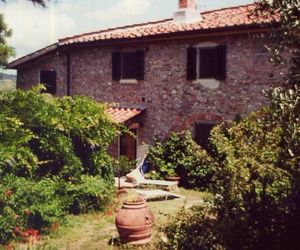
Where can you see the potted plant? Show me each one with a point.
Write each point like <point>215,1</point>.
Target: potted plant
<point>169,173</point>
<point>164,155</point>
<point>134,199</point>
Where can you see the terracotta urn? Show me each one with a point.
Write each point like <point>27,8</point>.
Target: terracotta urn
<point>134,222</point>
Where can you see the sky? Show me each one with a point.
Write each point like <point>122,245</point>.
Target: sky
<point>35,27</point>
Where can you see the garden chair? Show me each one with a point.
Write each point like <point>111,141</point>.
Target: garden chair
<point>157,194</point>
<point>137,177</point>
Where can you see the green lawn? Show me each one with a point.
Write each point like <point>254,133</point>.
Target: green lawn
<point>96,230</point>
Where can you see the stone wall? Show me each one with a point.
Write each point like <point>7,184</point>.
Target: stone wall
<point>172,102</point>
<point>29,74</point>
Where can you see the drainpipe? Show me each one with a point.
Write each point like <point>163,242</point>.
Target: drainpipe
<point>68,73</point>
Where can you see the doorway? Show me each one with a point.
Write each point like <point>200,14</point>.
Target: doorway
<point>128,145</point>
<point>202,133</point>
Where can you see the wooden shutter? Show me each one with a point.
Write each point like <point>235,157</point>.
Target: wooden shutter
<point>140,64</point>
<point>221,62</point>
<point>191,73</point>
<point>116,66</point>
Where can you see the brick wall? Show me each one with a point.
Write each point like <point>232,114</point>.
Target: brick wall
<point>29,74</point>
<point>172,102</point>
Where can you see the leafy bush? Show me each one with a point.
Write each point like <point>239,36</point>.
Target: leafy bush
<point>194,229</point>
<point>28,204</point>
<point>43,136</point>
<point>153,175</point>
<point>91,193</point>
<point>256,182</point>
<point>259,173</point>
<point>53,160</point>
<point>180,155</point>
<point>123,166</point>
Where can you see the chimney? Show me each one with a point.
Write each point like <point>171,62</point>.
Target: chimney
<point>187,12</point>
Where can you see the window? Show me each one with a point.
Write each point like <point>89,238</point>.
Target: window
<point>128,65</point>
<point>48,79</point>
<point>206,62</point>
<point>202,132</point>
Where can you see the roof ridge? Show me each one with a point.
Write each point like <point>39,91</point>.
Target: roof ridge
<point>159,27</point>
<point>227,8</point>
<point>116,28</point>
<point>145,23</point>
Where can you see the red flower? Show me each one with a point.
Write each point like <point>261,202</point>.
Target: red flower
<point>30,234</point>
<point>9,193</point>
<point>17,229</point>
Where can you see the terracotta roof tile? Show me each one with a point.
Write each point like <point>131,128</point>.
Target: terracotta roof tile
<point>227,17</point>
<point>122,114</point>
<point>216,19</point>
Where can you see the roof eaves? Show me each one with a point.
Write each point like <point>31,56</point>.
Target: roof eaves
<point>14,64</point>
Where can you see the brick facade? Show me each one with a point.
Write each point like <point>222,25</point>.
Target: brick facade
<point>29,75</point>
<point>172,102</point>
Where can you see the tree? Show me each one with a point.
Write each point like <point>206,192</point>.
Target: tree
<point>5,50</point>
<point>257,197</point>
<point>38,2</point>
<point>286,40</point>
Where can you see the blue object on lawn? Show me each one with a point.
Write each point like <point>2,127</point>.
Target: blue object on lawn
<point>146,166</point>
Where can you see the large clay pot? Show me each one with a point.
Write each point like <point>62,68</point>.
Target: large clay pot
<point>134,222</point>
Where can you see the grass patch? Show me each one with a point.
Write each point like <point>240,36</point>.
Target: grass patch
<point>7,86</point>
<point>96,230</point>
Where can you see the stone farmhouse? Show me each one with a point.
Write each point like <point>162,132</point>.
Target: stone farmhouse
<point>190,71</point>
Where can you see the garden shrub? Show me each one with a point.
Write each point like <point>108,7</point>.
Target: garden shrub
<point>15,157</point>
<point>196,229</point>
<point>53,160</point>
<point>55,132</point>
<point>27,204</point>
<point>123,166</point>
<point>253,191</point>
<point>153,175</point>
<point>256,182</point>
<point>180,155</point>
<point>260,175</point>
<point>91,193</point>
